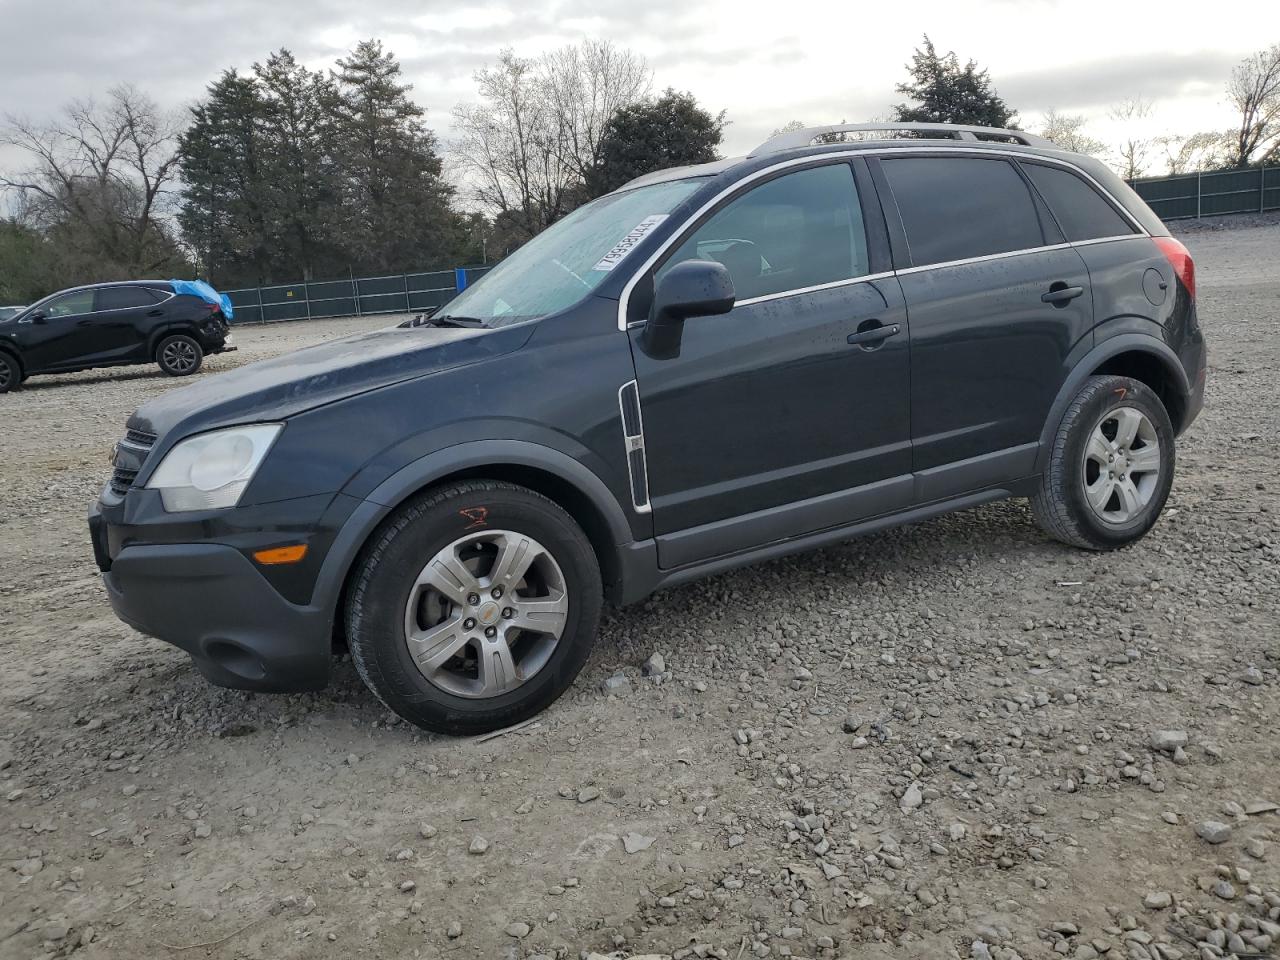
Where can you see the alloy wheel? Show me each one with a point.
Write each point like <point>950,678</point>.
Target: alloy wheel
<point>486,613</point>
<point>180,355</point>
<point>1121,465</point>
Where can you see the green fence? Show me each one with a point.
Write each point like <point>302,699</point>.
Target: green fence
<point>352,297</point>
<point>1253,190</point>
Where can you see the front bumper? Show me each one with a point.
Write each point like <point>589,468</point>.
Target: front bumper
<point>209,600</point>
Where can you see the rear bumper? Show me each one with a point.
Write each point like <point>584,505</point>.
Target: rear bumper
<point>210,601</point>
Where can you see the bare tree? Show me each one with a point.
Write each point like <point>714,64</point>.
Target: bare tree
<point>1199,151</point>
<point>1254,91</point>
<point>1134,149</point>
<point>586,85</point>
<point>100,175</point>
<point>1067,131</point>
<point>529,145</point>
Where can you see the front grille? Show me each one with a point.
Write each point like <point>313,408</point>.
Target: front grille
<point>131,454</point>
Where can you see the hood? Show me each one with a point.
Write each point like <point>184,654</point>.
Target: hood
<point>287,385</point>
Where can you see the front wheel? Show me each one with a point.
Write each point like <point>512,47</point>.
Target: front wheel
<point>179,355</point>
<point>474,607</point>
<point>1110,468</point>
<point>10,373</point>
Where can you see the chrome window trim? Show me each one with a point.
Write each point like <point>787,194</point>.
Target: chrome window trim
<point>816,287</point>
<point>1004,254</point>
<point>624,300</point>
<point>1115,239</point>
<point>167,297</point>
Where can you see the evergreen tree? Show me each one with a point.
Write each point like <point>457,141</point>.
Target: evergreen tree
<point>652,135</point>
<point>224,155</point>
<point>396,204</point>
<point>945,92</point>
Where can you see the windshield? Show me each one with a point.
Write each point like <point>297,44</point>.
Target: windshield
<point>568,260</point>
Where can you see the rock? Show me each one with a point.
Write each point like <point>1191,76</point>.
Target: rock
<point>202,830</point>
<point>1224,890</point>
<point>454,930</point>
<point>408,886</point>
<point>1255,807</point>
<point>587,794</point>
<point>618,685</point>
<point>1213,831</point>
<point>1157,901</point>
<point>518,929</point>
<point>655,666</point>
<point>1253,676</point>
<point>1167,740</point>
<point>1255,848</point>
<point>426,831</point>
<point>29,868</point>
<point>479,846</point>
<point>912,798</point>
<point>56,930</point>
<point>851,724</point>
<point>526,806</point>
<point>635,842</point>
<point>308,906</point>
<point>129,789</point>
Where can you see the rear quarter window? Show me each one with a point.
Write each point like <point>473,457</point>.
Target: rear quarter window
<point>1080,210</point>
<point>955,208</point>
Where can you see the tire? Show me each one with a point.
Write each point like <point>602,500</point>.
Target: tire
<point>11,376</point>
<point>1099,492</point>
<point>179,355</point>
<point>397,588</point>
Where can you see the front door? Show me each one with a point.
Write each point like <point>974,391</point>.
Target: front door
<point>998,304</point>
<point>122,318</point>
<point>50,336</point>
<point>770,423</point>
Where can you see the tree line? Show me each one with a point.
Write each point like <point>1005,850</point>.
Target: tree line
<point>283,173</point>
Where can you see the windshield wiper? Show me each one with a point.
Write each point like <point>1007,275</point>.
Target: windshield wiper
<point>448,321</point>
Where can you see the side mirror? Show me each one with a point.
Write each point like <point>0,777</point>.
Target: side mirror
<point>694,288</point>
<point>33,318</point>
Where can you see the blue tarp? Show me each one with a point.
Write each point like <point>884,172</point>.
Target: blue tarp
<point>198,288</point>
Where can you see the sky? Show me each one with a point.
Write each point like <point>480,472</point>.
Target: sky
<point>764,63</point>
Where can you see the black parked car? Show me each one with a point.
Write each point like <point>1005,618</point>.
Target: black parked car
<point>710,366</point>
<point>108,325</point>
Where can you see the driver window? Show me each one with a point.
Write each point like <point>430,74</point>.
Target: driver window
<point>70,304</point>
<point>798,230</point>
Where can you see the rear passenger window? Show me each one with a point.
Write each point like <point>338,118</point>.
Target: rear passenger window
<point>1082,213</point>
<point>800,230</point>
<point>954,208</point>
<point>120,298</point>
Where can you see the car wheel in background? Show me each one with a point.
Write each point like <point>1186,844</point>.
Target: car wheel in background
<point>10,373</point>
<point>179,355</point>
<point>1110,468</point>
<point>474,607</point>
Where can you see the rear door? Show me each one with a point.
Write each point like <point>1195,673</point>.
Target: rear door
<point>999,306</point>
<point>770,423</point>
<point>122,318</point>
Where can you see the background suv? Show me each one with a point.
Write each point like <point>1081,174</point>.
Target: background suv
<point>111,324</point>
<point>710,366</point>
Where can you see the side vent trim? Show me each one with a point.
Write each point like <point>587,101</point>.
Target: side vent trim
<point>633,439</point>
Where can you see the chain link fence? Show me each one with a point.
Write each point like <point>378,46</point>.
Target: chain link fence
<point>352,297</point>
<point>1253,190</point>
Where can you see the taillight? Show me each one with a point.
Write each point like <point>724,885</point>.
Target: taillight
<point>1184,268</point>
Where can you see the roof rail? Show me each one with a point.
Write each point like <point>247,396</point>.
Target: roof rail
<point>953,131</point>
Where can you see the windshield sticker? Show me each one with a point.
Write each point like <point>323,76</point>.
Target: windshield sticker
<point>623,246</point>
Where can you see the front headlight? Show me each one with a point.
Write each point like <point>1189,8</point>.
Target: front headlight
<point>210,471</point>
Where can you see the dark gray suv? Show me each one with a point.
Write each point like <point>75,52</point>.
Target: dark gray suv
<point>710,366</point>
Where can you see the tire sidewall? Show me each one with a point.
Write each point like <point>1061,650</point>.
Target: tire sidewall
<point>15,377</point>
<point>387,578</point>
<point>179,373</point>
<point>1117,392</point>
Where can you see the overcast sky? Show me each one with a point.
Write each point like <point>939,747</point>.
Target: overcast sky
<point>819,61</point>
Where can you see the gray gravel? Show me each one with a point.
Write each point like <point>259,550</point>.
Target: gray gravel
<point>956,739</point>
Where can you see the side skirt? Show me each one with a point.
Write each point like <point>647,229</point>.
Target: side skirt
<point>641,575</point>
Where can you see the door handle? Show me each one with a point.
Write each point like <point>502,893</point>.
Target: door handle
<point>868,334</point>
<point>1060,294</point>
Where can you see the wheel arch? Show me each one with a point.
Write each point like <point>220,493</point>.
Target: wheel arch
<point>555,475</point>
<point>1136,355</point>
<point>13,352</point>
<point>159,336</point>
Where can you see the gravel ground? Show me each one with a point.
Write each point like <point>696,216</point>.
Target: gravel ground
<point>956,739</point>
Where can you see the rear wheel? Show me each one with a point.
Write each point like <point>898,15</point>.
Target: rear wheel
<point>474,607</point>
<point>179,355</point>
<point>10,373</point>
<point>1111,466</point>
